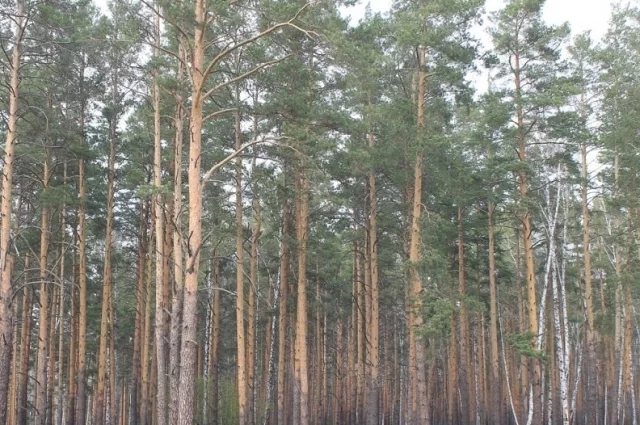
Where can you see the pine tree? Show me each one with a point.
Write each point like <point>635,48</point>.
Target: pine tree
<point>529,50</point>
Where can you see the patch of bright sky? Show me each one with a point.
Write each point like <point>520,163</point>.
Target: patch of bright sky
<point>582,15</point>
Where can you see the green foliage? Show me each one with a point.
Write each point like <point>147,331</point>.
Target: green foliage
<point>228,403</point>
<point>521,342</point>
<point>436,311</point>
<point>88,77</point>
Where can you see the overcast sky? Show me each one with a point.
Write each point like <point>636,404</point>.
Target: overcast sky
<point>583,15</point>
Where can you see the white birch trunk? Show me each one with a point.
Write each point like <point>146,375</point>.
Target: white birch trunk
<point>559,311</point>
<point>574,395</point>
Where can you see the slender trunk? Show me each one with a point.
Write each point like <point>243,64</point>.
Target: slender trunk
<point>138,343</point>
<point>481,369</point>
<point>190,307</point>
<point>43,320</point>
<point>136,377</point>
<point>415,293</point>
<point>267,381</point>
<point>466,387</point>
<point>352,345</point>
<point>6,258</point>
<point>25,344</point>
<point>215,342</point>
<point>452,375</point>
<point>45,338</point>
<point>361,337</point>
<point>616,358</point>
<point>558,311</point>
<point>290,414</point>
<point>199,407</point>
<point>107,284</point>
<point>627,353</point>
<point>70,407</point>
<point>147,360</point>
<point>282,310</point>
<point>317,384</point>
<point>300,361</point>
<point>61,309</point>
<point>178,260</point>
<point>81,398</point>
<point>251,305</point>
<point>535,413</point>
<point>339,401</point>
<point>13,387</point>
<point>520,392</point>
<point>240,331</point>
<point>366,320</point>
<point>588,287</point>
<point>122,416</point>
<point>496,409</point>
<point>373,410</point>
<point>51,360</point>
<point>160,254</point>
<point>112,401</point>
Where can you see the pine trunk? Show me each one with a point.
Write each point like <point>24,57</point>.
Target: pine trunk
<point>373,390</point>
<point>240,331</point>
<point>190,307</point>
<point>81,397</point>
<point>25,344</point>
<point>301,411</point>
<point>175,341</point>
<point>535,408</point>
<point>145,352</point>
<point>496,399</point>
<point>6,258</point>
<point>60,395</point>
<point>99,409</point>
<point>70,407</point>
<point>466,370</point>
<point>251,305</point>
<point>418,375</point>
<point>160,253</point>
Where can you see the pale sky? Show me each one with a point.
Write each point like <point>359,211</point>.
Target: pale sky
<point>582,15</point>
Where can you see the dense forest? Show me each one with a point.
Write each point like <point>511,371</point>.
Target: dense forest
<point>259,212</point>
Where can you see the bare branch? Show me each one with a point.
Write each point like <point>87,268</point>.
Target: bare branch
<point>164,17</point>
<point>218,113</point>
<point>244,75</point>
<point>228,50</point>
<point>237,153</point>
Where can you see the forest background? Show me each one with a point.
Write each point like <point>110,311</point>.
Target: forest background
<point>243,212</point>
